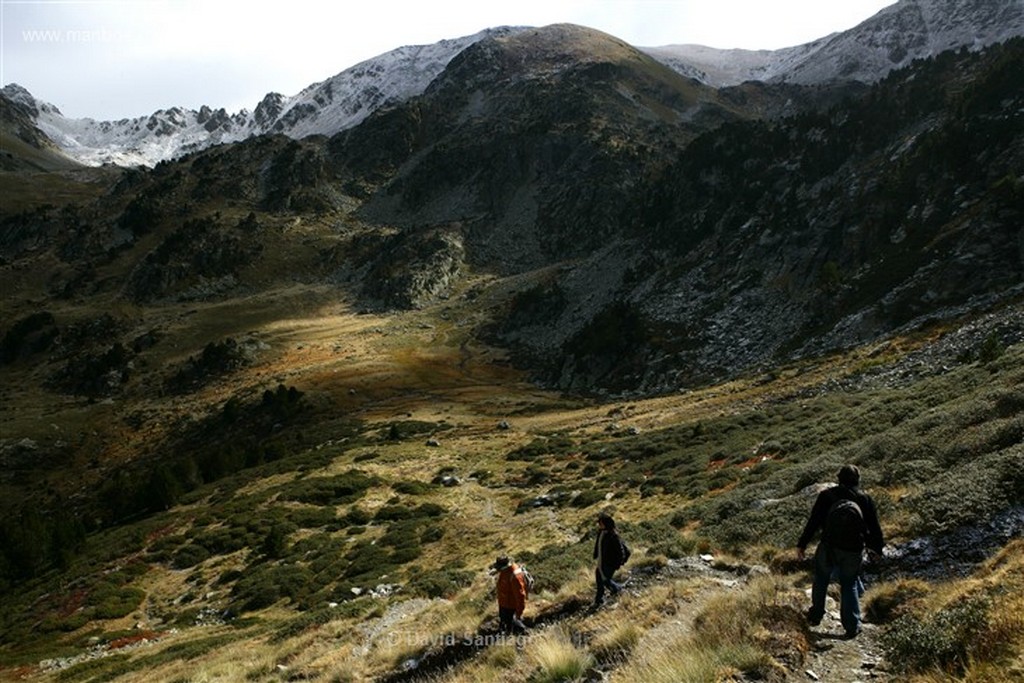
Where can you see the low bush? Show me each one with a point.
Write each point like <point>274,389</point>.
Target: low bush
<point>117,603</point>
<point>412,488</point>
<point>189,555</point>
<point>263,585</point>
<point>440,583</point>
<point>336,490</point>
<point>555,565</point>
<point>944,640</point>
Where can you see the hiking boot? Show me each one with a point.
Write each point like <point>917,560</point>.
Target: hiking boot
<point>850,635</point>
<point>811,620</point>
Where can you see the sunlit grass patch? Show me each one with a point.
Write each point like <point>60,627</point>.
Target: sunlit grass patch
<point>615,643</point>
<point>557,658</point>
<point>680,660</point>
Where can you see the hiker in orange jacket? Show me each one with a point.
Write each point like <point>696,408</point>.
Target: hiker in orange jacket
<point>511,596</point>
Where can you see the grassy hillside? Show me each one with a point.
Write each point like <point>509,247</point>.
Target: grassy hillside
<point>340,527</point>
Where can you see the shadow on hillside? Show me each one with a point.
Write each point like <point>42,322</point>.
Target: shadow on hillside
<point>955,553</point>
<point>459,650</point>
<point>455,651</point>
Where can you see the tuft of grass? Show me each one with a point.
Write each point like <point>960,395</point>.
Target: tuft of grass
<point>558,659</point>
<point>890,601</point>
<point>616,643</point>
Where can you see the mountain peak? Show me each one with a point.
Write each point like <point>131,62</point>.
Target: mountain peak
<point>892,38</point>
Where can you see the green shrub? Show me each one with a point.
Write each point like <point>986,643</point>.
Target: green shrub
<point>118,603</point>
<point>369,562</point>
<point>275,543</point>
<point>315,518</point>
<point>944,640</point>
<point>343,488</point>
<point>263,585</point>
<point>412,488</point>
<point>405,532</point>
<point>223,540</point>
<point>189,556</point>
<point>971,493</point>
<point>404,429</point>
<point>104,668</point>
<point>363,457</point>
<point>357,516</point>
<point>888,601</point>
<point>390,513</point>
<point>440,583</point>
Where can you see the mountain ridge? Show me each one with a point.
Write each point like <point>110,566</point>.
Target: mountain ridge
<point>891,39</point>
<point>908,30</point>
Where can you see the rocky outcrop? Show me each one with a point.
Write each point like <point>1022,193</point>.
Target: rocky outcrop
<point>415,268</point>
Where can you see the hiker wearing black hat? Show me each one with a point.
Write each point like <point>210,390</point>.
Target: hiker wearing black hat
<point>512,593</point>
<point>848,521</point>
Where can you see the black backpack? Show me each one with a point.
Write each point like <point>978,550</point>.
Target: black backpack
<point>624,552</point>
<point>844,525</point>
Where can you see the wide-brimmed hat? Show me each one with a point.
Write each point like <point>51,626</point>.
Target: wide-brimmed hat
<point>501,562</point>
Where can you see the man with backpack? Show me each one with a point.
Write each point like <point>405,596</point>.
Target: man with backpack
<point>513,588</point>
<point>611,552</point>
<point>848,520</point>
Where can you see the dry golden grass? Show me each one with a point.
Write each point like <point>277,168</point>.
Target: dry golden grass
<point>557,658</point>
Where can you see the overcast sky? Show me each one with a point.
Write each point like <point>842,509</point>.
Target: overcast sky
<point>110,59</point>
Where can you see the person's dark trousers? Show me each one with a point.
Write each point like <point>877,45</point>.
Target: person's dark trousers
<point>508,622</point>
<point>846,565</point>
<point>604,581</point>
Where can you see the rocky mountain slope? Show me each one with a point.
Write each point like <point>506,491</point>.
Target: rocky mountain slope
<point>685,259</point>
<point>660,234</point>
<point>23,146</point>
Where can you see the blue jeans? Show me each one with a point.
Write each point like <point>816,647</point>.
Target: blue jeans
<point>845,566</point>
<point>604,581</point>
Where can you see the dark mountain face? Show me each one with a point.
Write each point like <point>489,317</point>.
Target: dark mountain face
<point>765,241</point>
<point>533,142</point>
<point>663,233</point>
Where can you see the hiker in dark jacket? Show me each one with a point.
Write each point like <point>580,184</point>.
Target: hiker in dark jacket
<point>846,531</point>
<point>609,555</point>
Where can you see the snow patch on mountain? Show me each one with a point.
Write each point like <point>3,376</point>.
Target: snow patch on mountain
<point>892,38</point>
<point>324,108</point>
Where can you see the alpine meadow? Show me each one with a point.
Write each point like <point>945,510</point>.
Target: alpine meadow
<point>278,387</point>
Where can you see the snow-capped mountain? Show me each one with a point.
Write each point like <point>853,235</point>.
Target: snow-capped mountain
<point>895,36</point>
<point>324,108</point>
<point>892,38</point>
